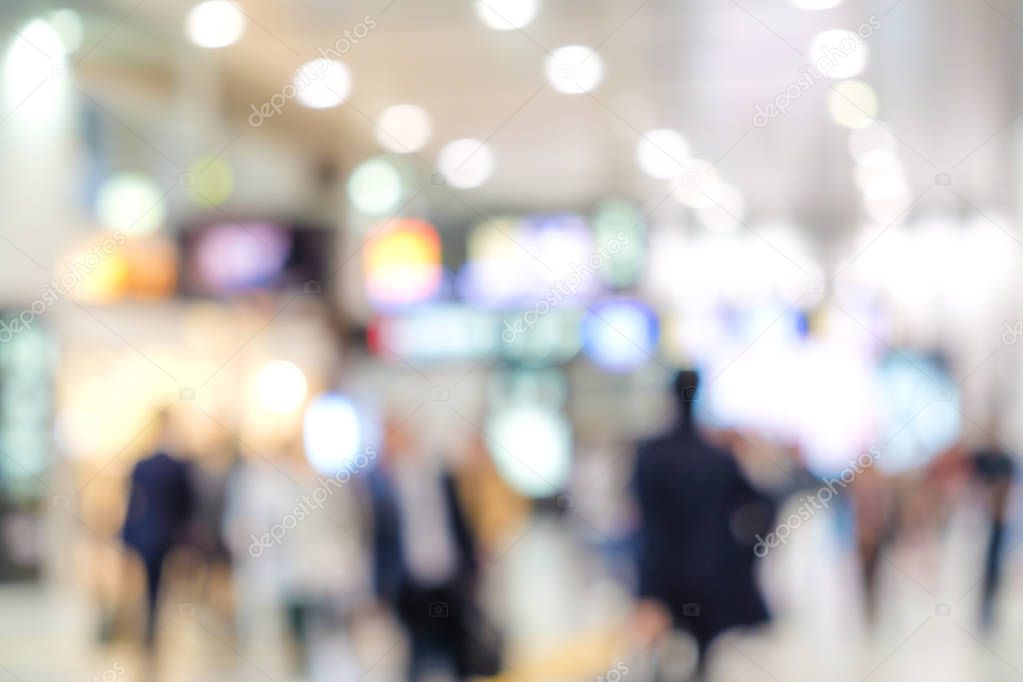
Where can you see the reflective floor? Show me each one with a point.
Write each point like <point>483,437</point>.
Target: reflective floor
<point>566,621</point>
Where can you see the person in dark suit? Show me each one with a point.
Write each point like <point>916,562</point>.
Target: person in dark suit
<point>160,505</point>
<point>698,518</point>
<point>995,470</point>
<point>424,556</point>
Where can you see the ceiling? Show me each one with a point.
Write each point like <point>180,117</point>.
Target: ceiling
<point>946,75</point>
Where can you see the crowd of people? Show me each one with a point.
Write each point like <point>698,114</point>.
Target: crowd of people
<point>408,537</point>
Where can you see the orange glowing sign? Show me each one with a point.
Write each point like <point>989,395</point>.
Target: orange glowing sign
<point>402,263</point>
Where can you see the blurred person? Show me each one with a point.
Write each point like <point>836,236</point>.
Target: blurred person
<point>995,470</point>
<point>873,503</point>
<point>160,507</point>
<point>698,518</point>
<point>296,542</point>
<point>425,564</point>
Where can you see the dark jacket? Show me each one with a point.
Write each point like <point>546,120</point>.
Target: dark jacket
<point>699,516</point>
<point>390,571</point>
<point>160,505</point>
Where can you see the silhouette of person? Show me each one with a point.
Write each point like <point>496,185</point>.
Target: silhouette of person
<point>698,518</point>
<point>424,555</point>
<point>160,505</point>
<point>995,470</point>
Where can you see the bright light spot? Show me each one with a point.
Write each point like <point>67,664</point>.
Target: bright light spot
<point>697,175</point>
<point>853,104</point>
<point>281,386</point>
<point>331,433</point>
<point>505,15</point>
<point>322,83</point>
<point>663,153</point>
<point>620,336</point>
<point>723,209</point>
<point>403,128</point>
<point>816,4</point>
<point>882,183</point>
<point>402,265</point>
<point>31,59</point>
<point>214,181</point>
<point>68,25</point>
<point>215,23</point>
<point>838,53</point>
<point>106,282</point>
<point>919,411</point>
<point>132,203</point>
<point>466,163</point>
<point>872,145</point>
<point>532,449</point>
<point>375,187</point>
<point>575,69</point>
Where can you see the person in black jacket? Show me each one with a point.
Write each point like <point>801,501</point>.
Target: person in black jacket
<point>160,505</point>
<point>424,556</point>
<point>698,518</point>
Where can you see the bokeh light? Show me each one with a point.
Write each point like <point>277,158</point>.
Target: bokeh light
<point>322,83</point>
<point>331,433</point>
<point>402,264</point>
<point>620,335</point>
<point>215,23</point>
<point>403,128</point>
<point>919,410</point>
<point>838,53</point>
<point>375,187</point>
<point>466,163</point>
<point>532,448</point>
<point>723,208</point>
<point>281,386</point>
<point>506,15</point>
<point>662,153</point>
<point>574,69</point>
<point>31,58</point>
<point>132,203</point>
<point>853,104</point>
